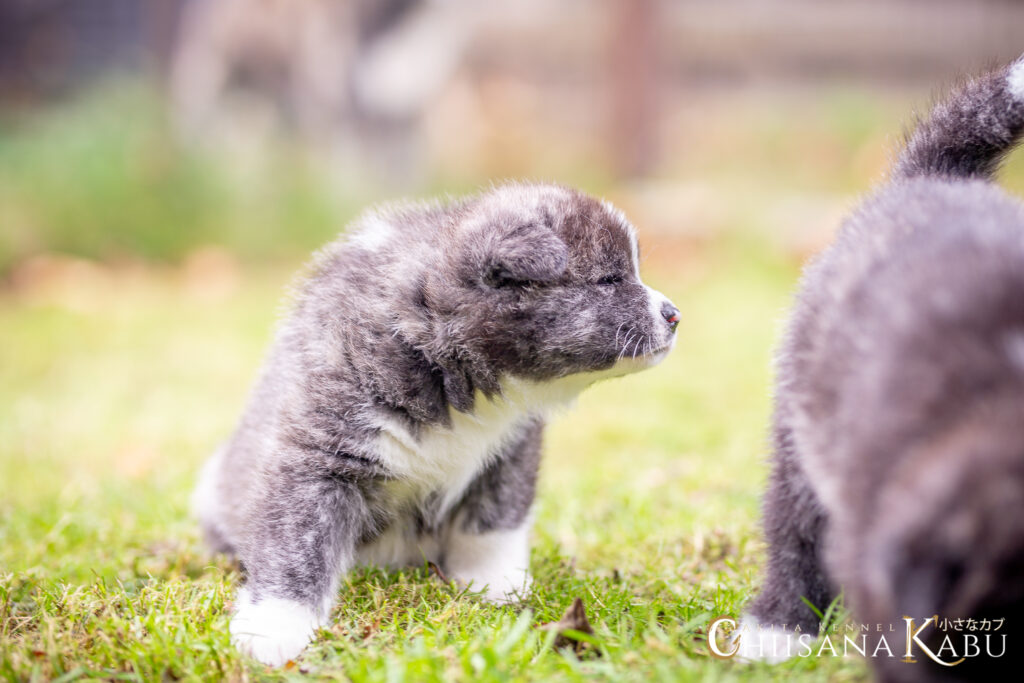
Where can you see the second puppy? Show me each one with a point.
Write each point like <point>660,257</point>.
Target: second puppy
<point>898,470</point>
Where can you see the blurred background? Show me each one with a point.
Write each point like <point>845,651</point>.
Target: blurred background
<point>195,131</point>
<point>165,166</point>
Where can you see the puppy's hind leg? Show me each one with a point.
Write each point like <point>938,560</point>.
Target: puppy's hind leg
<point>795,525</point>
<point>487,545</point>
<point>303,535</point>
<point>206,504</point>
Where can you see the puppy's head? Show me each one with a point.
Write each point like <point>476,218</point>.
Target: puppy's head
<point>543,282</point>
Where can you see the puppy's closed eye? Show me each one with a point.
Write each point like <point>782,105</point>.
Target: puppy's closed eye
<point>610,280</point>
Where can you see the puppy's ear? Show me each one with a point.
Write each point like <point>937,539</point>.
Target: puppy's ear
<point>527,253</point>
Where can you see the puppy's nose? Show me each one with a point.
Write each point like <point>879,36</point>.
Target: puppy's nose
<point>671,315</point>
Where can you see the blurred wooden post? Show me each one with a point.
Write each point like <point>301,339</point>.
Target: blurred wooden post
<point>162,19</point>
<point>633,74</point>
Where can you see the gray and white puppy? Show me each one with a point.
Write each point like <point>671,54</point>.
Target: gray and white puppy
<point>898,470</point>
<point>398,418</point>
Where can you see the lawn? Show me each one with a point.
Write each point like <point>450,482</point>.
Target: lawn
<point>116,381</point>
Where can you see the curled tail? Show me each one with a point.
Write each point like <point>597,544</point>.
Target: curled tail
<point>968,134</point>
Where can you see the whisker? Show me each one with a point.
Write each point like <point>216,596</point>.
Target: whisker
<point>637,346</point>
<point>625,346</point>
<point>617,333</point>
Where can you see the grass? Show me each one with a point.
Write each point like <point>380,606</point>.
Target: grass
<point>647,509</point>
<point>105,179</point>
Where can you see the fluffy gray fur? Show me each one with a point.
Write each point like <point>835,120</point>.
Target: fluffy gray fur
<point>399,415</point>
<point>898,470</point>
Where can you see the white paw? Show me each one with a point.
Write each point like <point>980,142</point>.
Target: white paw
<point>759,643</point>
<point>272,630</point>
<point>496,563</point>
<point>502,588</point>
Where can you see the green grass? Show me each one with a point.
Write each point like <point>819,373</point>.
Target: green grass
<point>104,178</point>
<point>647,508</point>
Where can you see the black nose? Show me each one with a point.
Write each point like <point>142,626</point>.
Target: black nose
<point>671,315</point>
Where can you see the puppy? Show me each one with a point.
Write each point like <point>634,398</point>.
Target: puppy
<point>398,418</point>
<point>898,471</point>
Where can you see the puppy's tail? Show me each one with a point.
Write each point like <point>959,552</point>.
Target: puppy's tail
<point>968,134</point>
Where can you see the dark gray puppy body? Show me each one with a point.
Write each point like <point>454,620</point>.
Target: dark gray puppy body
<point>399,415</point>
<point>898,471</point>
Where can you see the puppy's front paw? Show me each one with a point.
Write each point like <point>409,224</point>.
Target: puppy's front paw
<point>272,630</point>
<point>499,587</point>
<point>494,562</point>
<point>758,642</point>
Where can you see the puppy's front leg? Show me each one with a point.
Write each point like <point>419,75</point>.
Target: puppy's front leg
<point>302,536</point>
<point>795,524</point>
<point>487,546</point>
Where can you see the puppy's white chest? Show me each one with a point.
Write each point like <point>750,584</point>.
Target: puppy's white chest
<point>444,460</point>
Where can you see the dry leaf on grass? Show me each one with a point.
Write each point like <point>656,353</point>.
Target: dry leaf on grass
<point>573,621</point>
